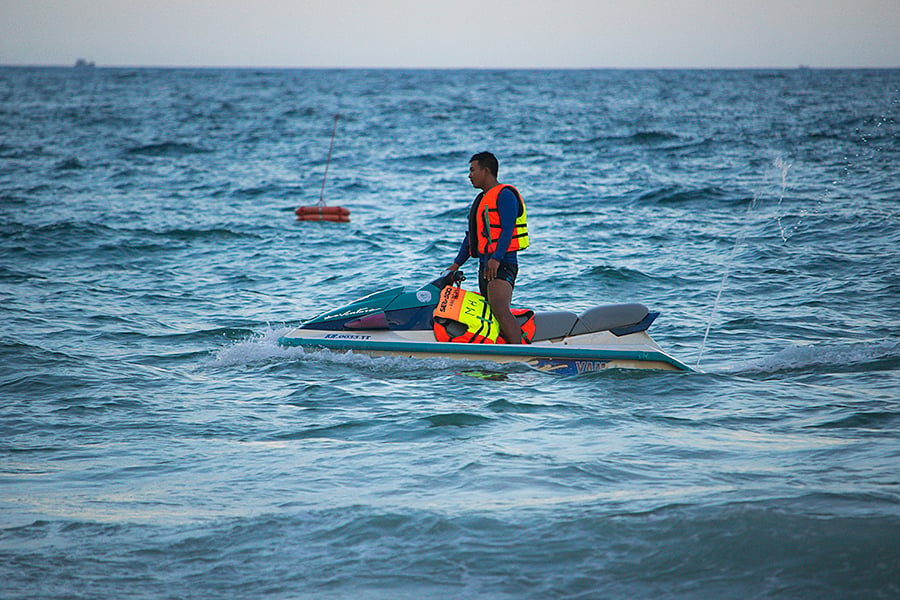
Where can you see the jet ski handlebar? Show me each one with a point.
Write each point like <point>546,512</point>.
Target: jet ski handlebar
<point>449,278</point>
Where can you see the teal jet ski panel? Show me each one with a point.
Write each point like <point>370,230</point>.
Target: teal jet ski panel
<point>396,308</point>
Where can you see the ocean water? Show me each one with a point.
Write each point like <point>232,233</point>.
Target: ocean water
<point>156,442</point>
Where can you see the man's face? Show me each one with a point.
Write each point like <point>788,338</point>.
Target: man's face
<point>477,174</point>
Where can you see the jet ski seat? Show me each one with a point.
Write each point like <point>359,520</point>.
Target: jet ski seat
<point>611,317</point>
<point>620,319</point>
<point>555,324</point>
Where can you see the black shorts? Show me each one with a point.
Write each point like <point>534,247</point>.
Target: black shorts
<point>506,271</point>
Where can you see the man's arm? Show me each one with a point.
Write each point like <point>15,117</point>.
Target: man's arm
<point>463,254</point>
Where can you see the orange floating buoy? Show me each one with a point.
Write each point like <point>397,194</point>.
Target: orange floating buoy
<point>329,216</point>
<point>322,210</point>
<point>335,214</point>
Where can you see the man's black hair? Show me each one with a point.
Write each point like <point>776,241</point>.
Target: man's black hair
<point>487,161</point>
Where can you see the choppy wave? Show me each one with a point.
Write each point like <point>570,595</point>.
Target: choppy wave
<point>607,272</point>
<point>406,553</point>
<point>69,164</point>
<point>173,149</point>
<point>679,194</point>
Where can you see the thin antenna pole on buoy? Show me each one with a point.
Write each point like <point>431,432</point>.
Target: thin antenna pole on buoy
<point>320,212</point>
<point>328,162</point>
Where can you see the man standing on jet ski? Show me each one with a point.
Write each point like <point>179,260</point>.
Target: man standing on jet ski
<point>497,231</point>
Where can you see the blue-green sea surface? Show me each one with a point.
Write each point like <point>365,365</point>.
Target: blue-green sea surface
<point>157,442</point>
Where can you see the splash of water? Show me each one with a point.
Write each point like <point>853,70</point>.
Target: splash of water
<point>260,347</point>
<point>263,347</point>
<point>783,167</point>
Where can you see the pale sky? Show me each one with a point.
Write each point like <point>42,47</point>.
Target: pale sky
<point>452,33</point>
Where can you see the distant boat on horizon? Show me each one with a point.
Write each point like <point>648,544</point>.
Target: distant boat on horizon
<point>84,64</point>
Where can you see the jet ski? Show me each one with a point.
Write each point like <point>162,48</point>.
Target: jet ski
<point>403,321</point>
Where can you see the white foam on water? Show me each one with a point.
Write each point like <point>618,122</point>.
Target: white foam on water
<point>827,357</point>
<point>263,347</point>
<point>260,347</point>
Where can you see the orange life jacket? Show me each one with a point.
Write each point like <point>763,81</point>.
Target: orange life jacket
<point>463,316</point>
<point>484,223</point>
<point>525,319</point>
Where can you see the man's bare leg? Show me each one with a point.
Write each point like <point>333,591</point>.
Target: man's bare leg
<point>499,297</point>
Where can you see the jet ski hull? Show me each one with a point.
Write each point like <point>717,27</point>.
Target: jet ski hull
<point>577,354</point>
<point>399,322</point>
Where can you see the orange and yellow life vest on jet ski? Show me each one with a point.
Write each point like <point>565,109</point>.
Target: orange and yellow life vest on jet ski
<point>463,316</point>
<point>466,317</point>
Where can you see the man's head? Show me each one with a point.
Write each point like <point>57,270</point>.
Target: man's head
<point>488,161</point>
<point>483,169</point>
